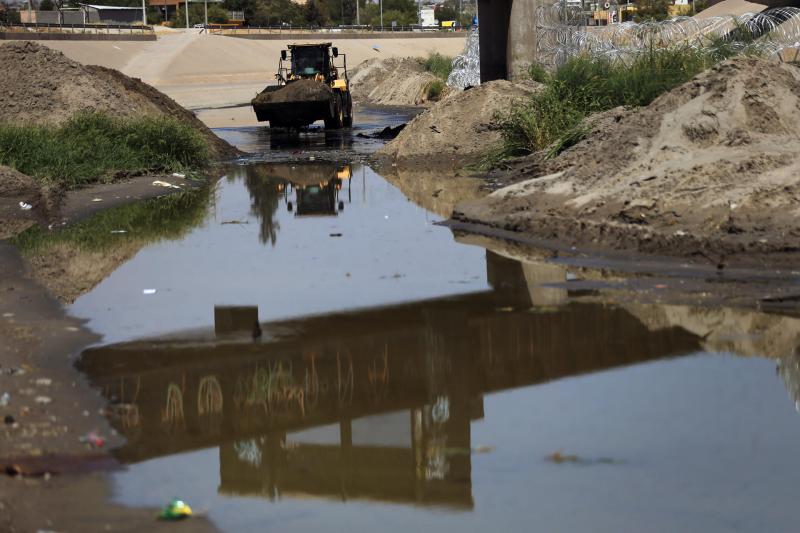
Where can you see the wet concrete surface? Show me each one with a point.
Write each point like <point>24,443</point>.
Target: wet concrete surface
<point>316,352</point>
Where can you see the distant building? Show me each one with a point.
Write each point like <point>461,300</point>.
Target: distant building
<point>99,14</point>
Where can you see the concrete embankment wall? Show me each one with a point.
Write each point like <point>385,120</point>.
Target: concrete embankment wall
<point>43,36</point>
<point>325,37</point>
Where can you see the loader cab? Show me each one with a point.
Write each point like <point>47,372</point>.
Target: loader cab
<point>310,61</point>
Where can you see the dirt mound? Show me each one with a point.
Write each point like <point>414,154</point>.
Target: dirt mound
<point>459,129</point>
<point>710,168</point>
<point>21,202</point>
<point>298,91</point>
<point>42,86</point>
<point>393,81</point>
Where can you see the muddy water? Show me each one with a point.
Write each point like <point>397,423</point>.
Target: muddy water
<point>398,380</point>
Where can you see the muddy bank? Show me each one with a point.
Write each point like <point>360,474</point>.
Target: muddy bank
<point>458,130</point>
<point>49,411</point>
<point>392,82</point>
<point>708,170</point>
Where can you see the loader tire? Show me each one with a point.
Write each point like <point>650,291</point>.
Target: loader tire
<point>336,121</point>
<point>348,113</point>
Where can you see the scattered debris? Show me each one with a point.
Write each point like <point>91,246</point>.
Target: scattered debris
<point>8,420</point>
<point>43,400</point>
<point>25,206</point>
<point>178,175</point>
<point>93,439</point>
<point>159,183</point>
<point>335,235</point>
<point>5,399</point>
<point>560,458</point>
<point>386,133</point>
<point>149,291</point>
<point>118,231</point>
<point>44,382</point>
<point>176,510</point>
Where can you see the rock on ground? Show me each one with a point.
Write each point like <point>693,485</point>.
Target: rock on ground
<point>394,82</point>
<point>459,129</point>
<point>709,169</point>
<point>16,189</point>
<point>40,85</point>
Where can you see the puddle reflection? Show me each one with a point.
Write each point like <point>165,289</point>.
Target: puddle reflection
<point>417,371</point>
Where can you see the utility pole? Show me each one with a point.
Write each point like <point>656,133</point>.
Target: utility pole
<point>144,13</point>
<point>205,11</point>
<point>358,15</point>
<point>419,13</point>
<point>187,15</point>
<point>381,2</point>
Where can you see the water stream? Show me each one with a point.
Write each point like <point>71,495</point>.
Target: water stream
<point>401,380</point>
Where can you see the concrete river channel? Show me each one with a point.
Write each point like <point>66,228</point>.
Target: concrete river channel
<point>312,352</point>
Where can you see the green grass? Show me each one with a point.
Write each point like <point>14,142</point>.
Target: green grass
<point>434,90</point>
<point>439,65</point>
<point>168,217</point>
<point>553,118</point>
<point>92,147</point>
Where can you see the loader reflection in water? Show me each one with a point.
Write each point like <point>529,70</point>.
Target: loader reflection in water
<point>308,189</point>
<point>372,404</point>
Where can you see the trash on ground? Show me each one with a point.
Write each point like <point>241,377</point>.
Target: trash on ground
<point>44,382</point>
<point>43,400</point>
<point>176,510</point>
<point>97,199</point>
<point>178,175</point>
<point>149,291</point>
<point>5,399</point>
<point>335,234</point>
<point>159,183</point>
<point>25,206</point>
<point>9,420</point>
<point>483,449</point>
<point>560,458</point>
<point>93,439</point>
<point>117,231</point>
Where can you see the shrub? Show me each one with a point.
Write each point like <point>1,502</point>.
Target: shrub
<point>552,117</point>
<point>434,90</point>
<point>439,65</point>
<point>92,147</point>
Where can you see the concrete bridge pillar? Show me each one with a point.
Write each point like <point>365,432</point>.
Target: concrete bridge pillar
<point>507,37</point>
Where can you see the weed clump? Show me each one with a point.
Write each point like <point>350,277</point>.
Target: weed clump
<point>439,65</point>
<point>552,119</point>
<point>434,90</point>
<point>93,147</point>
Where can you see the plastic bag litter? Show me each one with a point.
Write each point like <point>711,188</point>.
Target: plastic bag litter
<point>25,206</point>
<point>159,183</point>
<point>175,510</point>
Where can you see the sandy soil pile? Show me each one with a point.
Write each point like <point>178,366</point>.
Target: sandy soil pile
<point>40,85</point>
<point>298,91</point>
<point>394,81</point>
<point>459,129</point>
<point>710,168</point>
